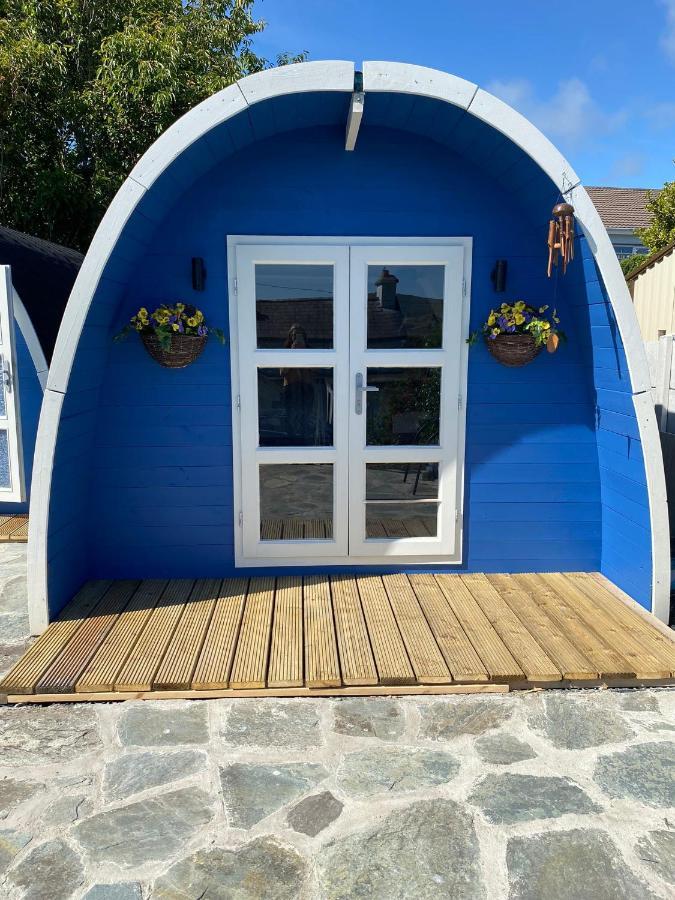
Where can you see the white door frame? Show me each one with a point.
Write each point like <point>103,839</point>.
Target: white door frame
<point>11,422</point>
<point>314,249</point>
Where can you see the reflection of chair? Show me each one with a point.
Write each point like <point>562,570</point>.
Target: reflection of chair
<point>427,433</point>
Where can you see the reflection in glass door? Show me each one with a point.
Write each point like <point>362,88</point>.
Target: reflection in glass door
<point>349,362</point>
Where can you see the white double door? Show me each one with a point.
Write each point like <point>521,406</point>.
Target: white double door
<point>348,366</point>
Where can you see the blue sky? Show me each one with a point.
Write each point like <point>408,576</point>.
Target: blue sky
<point>600,82</point>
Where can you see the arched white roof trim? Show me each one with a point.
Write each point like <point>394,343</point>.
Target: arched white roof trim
<point>23,320</point>
<point>339,76</point>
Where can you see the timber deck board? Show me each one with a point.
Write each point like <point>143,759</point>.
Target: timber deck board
<point>341,635</point>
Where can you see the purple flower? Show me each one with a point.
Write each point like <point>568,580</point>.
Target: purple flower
<point>511,329</point>
<point>181,327</point>
<point>173,320</point>
<point>501,321</point>
<point>201,331</point>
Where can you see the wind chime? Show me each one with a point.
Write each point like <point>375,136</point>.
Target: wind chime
<point>561,236</point>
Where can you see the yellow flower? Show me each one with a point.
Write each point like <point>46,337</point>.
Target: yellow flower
<point>491,319</point>
<point>520,305</point>
<point>505,307</point>
<point>143,313</point>
<point>175,326</point>
<point>545,325</point>
<point>496,330</point>
<point>519,319</point>
<point>180,307</point>
<point>192,321</point>
<point>542,309</point>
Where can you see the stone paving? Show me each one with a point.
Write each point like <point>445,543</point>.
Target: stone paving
<point>532,796</point>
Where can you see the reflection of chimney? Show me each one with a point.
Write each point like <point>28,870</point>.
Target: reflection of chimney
<point>386,290</point>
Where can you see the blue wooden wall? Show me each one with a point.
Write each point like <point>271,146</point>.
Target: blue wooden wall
<point>30,397</point>
<point>142,483</point>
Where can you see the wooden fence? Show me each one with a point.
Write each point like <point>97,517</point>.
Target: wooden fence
<point>661,356</point>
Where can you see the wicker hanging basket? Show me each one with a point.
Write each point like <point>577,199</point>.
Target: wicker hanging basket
<point>513,349</point>
<point>184,349</point>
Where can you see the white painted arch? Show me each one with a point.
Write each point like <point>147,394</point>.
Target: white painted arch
<point>339,76</point>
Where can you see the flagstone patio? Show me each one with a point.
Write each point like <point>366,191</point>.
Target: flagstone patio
<point>560,794</point>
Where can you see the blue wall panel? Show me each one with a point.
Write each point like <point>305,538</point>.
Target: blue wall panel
<point>549,446</point>
<point>30,398</point>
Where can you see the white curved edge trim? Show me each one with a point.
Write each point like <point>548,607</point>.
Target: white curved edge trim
<point>25,323</point>
<point>378,76</point>
<point>38,512</point>
<point>405,78</point>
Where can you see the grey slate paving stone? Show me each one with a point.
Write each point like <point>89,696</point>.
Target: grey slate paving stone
<point>31,736</point>
<point>394,770</point>
<point>368,717</point>
<point>513,797</point>
<point>287,725</point>
<point>583,864</point>
<point>13,793</point>
<point>146,831</point>
<point>503,749</point>
<point>136,772</point>
<point>66,810</point>
<point>263,869</point>
<point>444,720</point>
<point>642,772</point>
<point>50,871</point>
<point>427,850</point>
<point>252,791</point>
<point>11,843</point>
<point>657,850</point>
<point>163,725</point>
<point>13,595</point>
<point>313,814</point>
<point>123,890</point>
<point>637,700</point>
<point>577,721</point>
<point>14,628</point>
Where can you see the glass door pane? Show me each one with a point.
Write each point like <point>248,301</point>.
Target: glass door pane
<point>407,343</point>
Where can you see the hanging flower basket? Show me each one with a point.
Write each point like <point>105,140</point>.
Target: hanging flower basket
<point>513,349</point>
<point>174,336</point>
<point>516,333</point>
<point>183,349</point>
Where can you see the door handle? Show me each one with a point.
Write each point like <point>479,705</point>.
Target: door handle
<point>5,375</point>
<point>361,389</point>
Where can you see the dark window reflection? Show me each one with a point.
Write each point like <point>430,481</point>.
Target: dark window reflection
<point>401,520</point>
<point>295,407</point>
<point>406,408</point>
<point>296,502</point>
<point>401,481</point>
<point>405,306</point>
<point>294,306</point>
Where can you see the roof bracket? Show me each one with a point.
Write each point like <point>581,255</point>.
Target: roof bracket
<point>354,119</point>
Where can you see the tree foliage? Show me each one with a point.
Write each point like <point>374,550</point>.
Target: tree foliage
<point>661,232</point>
<point>87,85</point>
<point>629,263</point>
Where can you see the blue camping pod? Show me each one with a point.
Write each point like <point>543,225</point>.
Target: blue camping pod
<point>347,238</point>
<point>35,281</point>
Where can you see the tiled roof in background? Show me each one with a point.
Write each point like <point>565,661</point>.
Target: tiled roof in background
<point>43,274</point>
<point>621,207</point>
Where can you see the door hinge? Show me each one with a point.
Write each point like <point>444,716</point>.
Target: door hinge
<point>459,401</point>
<point>463,287</point>
<point>241,519</point>
<point>235,285</point>
<point>458,517</point>
<point>237,402</point>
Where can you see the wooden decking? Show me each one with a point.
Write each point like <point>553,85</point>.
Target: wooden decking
<point>14,528</point>
<point>339,634</point>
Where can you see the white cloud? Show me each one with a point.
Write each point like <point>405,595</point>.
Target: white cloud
<point>668,36</point>
<point>569,116</point>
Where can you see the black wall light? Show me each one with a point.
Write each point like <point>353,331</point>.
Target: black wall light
<point>498,276</point>
<point>198,273</point>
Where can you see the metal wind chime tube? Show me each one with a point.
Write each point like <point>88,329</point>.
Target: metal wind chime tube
<point>561,236</point>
